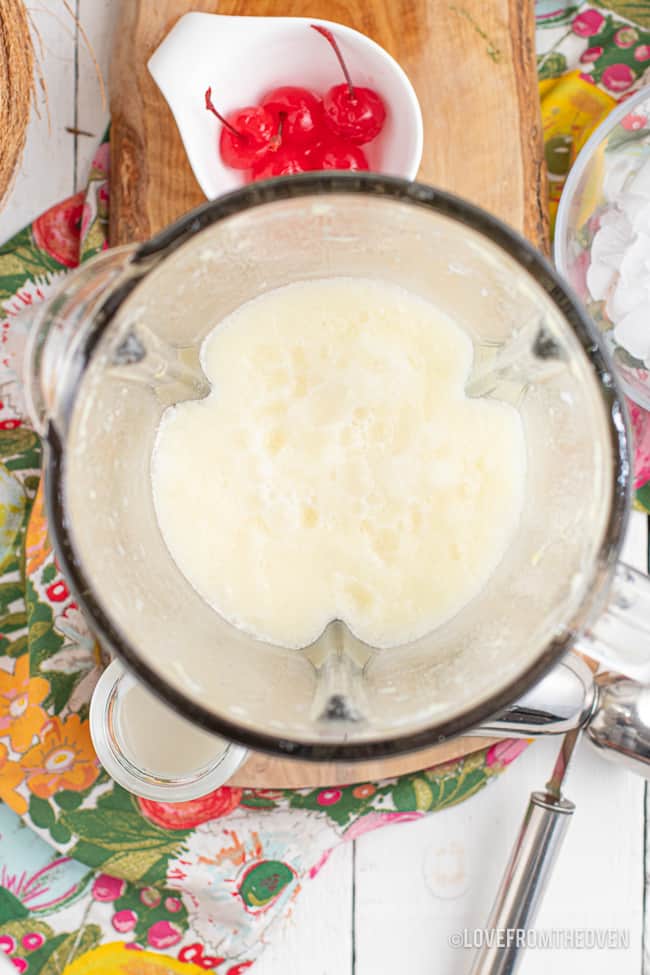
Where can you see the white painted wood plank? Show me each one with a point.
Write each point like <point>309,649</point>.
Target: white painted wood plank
<point>598,882</point>
<point>317,938</point>
<point>98,18</point>
<point>417,884</point>
<point>46,172</point>
<point>645,970</point>
<point>646,893</point>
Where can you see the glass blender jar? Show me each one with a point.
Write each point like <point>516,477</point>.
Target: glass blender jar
<point>120,343</point>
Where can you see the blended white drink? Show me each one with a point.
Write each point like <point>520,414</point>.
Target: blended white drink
<point>337,470</point>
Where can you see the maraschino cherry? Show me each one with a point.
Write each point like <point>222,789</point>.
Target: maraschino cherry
<point>248,134</point>
<point>354,113</point>
<point>302,111</point>
<point>287,161</point>
<point>334,153</point>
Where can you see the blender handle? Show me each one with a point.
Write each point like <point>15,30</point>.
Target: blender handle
<point>619,638</point>
<point>523,884</point>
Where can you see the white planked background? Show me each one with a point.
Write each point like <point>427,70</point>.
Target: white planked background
<point>388,902</point>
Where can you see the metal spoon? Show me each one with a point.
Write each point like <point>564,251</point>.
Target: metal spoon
<point>615,718</point>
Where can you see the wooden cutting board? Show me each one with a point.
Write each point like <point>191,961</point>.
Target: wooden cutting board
<point>472,63</point>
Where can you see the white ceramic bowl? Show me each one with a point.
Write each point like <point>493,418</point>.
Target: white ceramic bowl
<point>242,58</point>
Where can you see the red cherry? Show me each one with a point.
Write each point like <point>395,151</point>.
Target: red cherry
<point>285,162</point>
<point>302,113</point>
<point>247,134</point>
<point>255,134</point>
<point>358,118</point>
<point>354,113</point>
<point>338,154</point>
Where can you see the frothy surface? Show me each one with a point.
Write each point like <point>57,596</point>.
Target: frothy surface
<point>337,470</point>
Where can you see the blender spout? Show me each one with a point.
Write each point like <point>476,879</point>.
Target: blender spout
<point>339,696</point>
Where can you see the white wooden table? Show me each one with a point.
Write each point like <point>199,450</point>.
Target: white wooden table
<point>389,902</point>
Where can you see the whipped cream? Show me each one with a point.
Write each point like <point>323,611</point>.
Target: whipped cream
<point>619,271</point>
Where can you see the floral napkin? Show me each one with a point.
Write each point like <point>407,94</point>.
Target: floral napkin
<point>591,57</point>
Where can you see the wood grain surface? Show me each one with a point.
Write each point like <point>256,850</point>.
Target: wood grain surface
<point>263,771</point>
<point>472,63</point>
<point>473,67</point>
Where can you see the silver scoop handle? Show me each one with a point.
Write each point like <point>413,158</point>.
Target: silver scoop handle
<point>528,870</point>
<point>616,720</point>
<point>620,725</point>
<point>523,884</point>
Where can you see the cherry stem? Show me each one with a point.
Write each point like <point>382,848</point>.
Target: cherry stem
<point>329,36</point>
<point>209,104</point>
<point>276,140</point>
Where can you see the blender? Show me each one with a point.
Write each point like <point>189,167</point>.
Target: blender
<point>120,343</point>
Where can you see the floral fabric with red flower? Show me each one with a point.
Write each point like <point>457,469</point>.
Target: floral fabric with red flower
<point>99,874</point>
<point>590,59</point>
